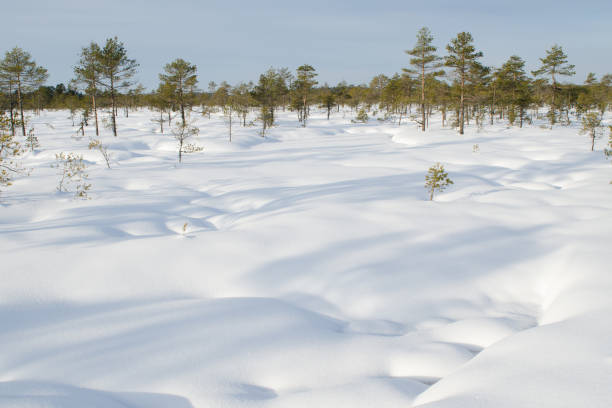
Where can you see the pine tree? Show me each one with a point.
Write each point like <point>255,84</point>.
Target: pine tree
<point>268,93</point>
<point>243,100</point>
<point>478,80</point>
<point>554,64</point>
<point>395,95</point>
<point>87,72</point>
<point>514,84</point>
<point>341,92</point>
<point>179,80</point>
<point>224,97</point>
<point>591,124</point>
<point>19,70</point>
<point>327,99</point>
<point>302,88</point>
<point>462,55</point>
<point>265,95</point>
<point>116,71</point>
<point>284,83</point>
<point>524,99</point>
<point>426,64</point>
<point>162,101</point>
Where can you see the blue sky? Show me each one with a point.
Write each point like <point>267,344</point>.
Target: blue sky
<point>344,40</point>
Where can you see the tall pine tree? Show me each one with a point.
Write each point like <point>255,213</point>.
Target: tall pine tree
<point>180,79</point>
<point>302,88</point>
<point>116,71</point>
<point>87,72</point>
<point>19,70</point>
<point>514,84</point>
<point>554,64</point>
<point>462,55</point>
<point>425,63</point>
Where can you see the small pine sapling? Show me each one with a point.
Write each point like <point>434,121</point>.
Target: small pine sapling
<point>436,179</point>
<point>32,140</point>
<point>72,172</point>
<point>96,144</point>
<point>476,148</point>
<point>81,130</point>
<point>511,116</point>
<point>362,116</point>
<point>182,133</point>
<point>85,113</point>
<point>591,125</point>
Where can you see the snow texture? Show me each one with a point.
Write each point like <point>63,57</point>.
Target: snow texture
<point>309,269</point>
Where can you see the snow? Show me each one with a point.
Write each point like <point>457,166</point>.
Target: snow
<point>308,268</point>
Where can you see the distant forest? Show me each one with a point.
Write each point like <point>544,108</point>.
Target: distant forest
<point>453,83</point>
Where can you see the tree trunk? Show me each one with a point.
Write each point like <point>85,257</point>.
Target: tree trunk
<point>11,108</point>
<point>492,113</point>
<point>181,101</point>
<point>20,101</point>
<point>461,110</point>
<point>95,109</point>
<point>423,94</point>
<point>113,107</point>
<point>230,123</point>
<point>304,114</point>
<point>462,107</point>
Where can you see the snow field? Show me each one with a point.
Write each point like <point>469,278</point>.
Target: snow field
<point>307,269</point>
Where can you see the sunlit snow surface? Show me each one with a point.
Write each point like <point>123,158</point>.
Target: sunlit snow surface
<point>308,269</point>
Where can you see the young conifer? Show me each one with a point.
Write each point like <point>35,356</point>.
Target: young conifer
<point>116,72</point>
<point>302,89</point>
<point>425,63</point>
<point>515,85</point>
<point>462,56</point>
<point>87,73</point>
<point>554,64</point>
<point>180,79</point>
<point>591,125</point>
<point>18,70</point>
<point>436,179</point>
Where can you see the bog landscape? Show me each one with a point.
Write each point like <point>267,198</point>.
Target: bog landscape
<point>435,238</point>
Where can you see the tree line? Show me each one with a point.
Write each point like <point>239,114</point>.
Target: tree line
<point>457,85</point>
